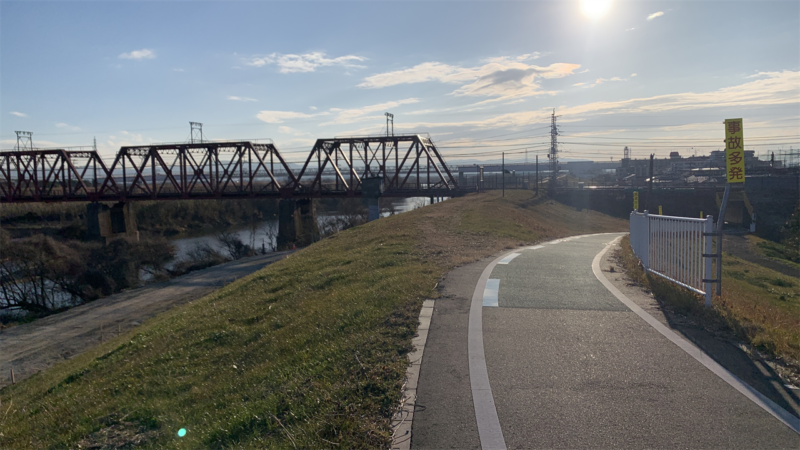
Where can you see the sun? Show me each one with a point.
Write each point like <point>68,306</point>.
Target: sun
<point>595,9</point>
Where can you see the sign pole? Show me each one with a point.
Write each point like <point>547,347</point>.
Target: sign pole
<point>734,165</point>
<point>720,223</point>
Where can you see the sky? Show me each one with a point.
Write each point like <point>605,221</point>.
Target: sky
<point>480,77</point>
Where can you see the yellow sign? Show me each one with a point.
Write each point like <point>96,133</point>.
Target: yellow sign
<point>660,213</point>
<point>734,150</point>
<point>635,200</point>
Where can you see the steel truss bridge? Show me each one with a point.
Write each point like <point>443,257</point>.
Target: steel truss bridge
<point>409,166</point>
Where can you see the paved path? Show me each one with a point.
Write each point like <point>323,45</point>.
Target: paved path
<point>569,365</point>
<point>35,346</point>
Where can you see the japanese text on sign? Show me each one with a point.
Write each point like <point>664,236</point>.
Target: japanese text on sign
<point>734,150</point>
<point>635,200</point>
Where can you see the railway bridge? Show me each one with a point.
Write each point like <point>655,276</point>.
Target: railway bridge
<point>359,166</point>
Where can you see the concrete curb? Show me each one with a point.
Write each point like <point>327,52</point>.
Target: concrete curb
<point>404,417</point>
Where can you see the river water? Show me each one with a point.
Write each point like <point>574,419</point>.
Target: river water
<point>262,234</point>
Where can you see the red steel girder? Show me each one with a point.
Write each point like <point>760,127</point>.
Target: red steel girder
<point>410,165</point>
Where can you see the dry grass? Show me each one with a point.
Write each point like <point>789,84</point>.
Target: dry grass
<point>760,305</point>
<point>309,352</point>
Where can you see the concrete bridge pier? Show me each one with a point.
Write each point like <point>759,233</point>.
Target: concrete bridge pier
<point>104,223</point>
<point>372,189</point>
<point>297,223</point>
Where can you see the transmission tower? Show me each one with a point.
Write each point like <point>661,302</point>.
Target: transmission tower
<point>626,153</point>
<point>389,120</point>
<point>196,135</point>
<point>24,140</point>
<point>553,155</point>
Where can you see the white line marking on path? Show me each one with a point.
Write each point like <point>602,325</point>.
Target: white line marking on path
<point>536,247</point>
<point>489,430</point>
<point>491,291</point>
<point>745,389</point>
<point>508,258</point>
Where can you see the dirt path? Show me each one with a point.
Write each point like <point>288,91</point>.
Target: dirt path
<point>740,247</point>
<point>35,346</point>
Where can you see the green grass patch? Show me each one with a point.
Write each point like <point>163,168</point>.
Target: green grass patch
<point>309,352</point>
<point>776,251</point>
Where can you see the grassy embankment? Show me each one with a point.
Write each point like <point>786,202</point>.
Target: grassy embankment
<point>774,250</point>
<point>309,352</point>
<point>760,305</point>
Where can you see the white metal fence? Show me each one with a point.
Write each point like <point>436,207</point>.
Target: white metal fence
<point>676,248</point>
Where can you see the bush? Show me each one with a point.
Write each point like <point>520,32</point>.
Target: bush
<point>42,275</point>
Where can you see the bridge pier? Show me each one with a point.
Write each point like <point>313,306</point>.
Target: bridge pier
<point>297,223</point>
<point>104,223</point>
<point>372,189</point>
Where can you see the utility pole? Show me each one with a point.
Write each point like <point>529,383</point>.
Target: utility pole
<point>537,175</point>
<point>772,163</point>
<point>503,166</point>
<point>389,119</point>
<point>553,155</point>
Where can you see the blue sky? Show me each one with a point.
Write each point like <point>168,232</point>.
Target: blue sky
<point>480,77</point>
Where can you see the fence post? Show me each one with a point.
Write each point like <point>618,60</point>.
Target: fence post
<point>709,230</point>
<point>645,240</point>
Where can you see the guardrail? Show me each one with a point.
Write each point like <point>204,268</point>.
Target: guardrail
<point>678,249</point>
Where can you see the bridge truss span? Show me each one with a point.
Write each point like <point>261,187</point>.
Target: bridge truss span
<point>201,170</point>
<point>409,165</point>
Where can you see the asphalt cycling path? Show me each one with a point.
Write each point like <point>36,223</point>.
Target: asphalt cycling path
<point>570,365</point>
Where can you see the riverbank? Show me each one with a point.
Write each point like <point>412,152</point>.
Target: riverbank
<point>32,347</point>
<point>309,352</point>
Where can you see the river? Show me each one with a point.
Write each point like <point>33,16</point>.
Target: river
<point>261,235</point>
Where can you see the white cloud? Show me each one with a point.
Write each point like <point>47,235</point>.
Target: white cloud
<point>503,77</point>
<point>631,29</point>
<point>133,137</point>
<point>241,99</point>
<point>291,131</point>
<point>600,81</point>
<point>280,116</point>
<point>307,62</point>
<point>138,54</point>
<point>313,108</point>
<point>18,114</point>
<point>67,127</point>
<point>654,15</point>
<point>778,88</point>
<point>633,75</point>
<point>178,70</point>
<point>429,71</point>
<point>341,116</point>
<point>579,84</point>
<point>358,114</point>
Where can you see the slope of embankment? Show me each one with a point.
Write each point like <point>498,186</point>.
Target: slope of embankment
<point>309,352</point>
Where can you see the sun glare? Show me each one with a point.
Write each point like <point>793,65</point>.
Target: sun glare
<point>595,9</point>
